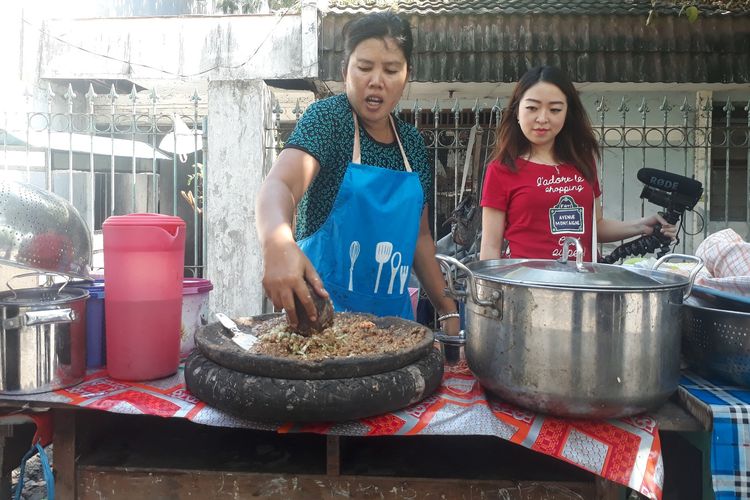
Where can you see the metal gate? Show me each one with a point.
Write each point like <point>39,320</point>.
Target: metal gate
<point>114,154</point>
<point>709,140</point>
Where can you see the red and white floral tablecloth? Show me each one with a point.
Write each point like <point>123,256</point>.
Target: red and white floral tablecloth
<point>626,450</point>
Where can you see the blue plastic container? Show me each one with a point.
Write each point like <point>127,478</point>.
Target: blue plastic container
<point>95,339</point>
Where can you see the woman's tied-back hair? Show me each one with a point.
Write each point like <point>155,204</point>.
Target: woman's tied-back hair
<point>574,144</point>
<point>379,25</point>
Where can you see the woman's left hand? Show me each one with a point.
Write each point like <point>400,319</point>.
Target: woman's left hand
<point>667,229</point>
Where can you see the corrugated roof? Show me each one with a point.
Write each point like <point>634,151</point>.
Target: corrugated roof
<point>592,48</point>
<point>522,7</point>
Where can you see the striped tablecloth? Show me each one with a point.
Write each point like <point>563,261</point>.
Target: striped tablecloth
<point>626,451</point>
<point>726,410</point>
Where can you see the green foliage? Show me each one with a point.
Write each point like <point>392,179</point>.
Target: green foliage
<point>692,13</point>
<point>691,9</point>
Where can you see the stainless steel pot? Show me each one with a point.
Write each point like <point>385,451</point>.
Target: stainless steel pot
<point>573,339</point>
<point>42,339</point>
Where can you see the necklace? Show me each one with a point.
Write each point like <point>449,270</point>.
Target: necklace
<point>553,165</point>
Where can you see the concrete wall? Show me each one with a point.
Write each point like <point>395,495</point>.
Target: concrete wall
<point>240,119</point>
<point>200,47</point>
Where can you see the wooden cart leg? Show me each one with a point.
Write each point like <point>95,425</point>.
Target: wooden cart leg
<point>333,456</point>
<point>607,490</point>
<point>65,453</point>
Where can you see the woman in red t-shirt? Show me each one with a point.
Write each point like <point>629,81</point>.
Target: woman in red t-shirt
<point>541,185</point>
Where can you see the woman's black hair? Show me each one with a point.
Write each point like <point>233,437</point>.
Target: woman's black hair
<point>574,144</point>
<point>379,25</point>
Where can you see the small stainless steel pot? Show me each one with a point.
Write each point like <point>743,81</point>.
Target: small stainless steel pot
<point>42,339</point>
<point>573,339</point>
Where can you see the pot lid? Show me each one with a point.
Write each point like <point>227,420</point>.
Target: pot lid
<point>552,273</point>
<point>41,296</point>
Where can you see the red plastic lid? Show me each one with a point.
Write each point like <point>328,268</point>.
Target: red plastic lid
<point>144,219</point>
<point>196,285</point>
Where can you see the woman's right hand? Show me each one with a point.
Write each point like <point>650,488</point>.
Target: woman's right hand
<point>285,267</point>
<point>285,270</point>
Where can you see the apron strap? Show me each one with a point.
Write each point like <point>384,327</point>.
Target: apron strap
<point>357,153</point>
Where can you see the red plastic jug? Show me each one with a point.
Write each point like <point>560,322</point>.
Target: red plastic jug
<point>143,270</point>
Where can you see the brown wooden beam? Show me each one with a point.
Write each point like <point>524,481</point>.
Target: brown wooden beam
<point>95,482</point>
<point>333,456</point>
<point>65,453</point>
<point>607,490</point>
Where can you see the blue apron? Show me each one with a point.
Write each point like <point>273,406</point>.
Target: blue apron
<point>364,251</point>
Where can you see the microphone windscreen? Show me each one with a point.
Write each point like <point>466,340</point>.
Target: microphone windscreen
<point>670,182</point>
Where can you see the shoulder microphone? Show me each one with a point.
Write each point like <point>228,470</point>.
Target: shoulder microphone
<point>668,181</point>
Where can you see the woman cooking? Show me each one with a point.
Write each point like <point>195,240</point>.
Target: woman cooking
<point>359,181</point>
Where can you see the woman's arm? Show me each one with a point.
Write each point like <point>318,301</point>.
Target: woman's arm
<point>493,230</point>
<point>614,230</point>
<point>285,266</point>
<point>430,276</point>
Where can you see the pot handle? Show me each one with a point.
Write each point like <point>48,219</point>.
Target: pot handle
<point>567,242</point>
<point>49,316</point>
<point>445,262</point>
<point>693,272</point>
<point>48,280</point>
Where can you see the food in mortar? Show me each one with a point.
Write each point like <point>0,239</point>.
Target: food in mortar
<point>350,334</point>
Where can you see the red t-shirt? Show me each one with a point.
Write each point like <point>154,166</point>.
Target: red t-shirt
<point>543,204</point>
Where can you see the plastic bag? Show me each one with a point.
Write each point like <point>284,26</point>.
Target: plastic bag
<point>465,221</point>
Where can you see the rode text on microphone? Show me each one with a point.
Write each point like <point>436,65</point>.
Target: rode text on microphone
<point>675,193</point>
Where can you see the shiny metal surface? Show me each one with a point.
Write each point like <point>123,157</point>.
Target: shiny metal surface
<point>242,339</point>
<point>50,353</point>
<point>552,273</point>
<point>589,352</point>
<point>577,353</point>
<point>42,231</point>
<point>717,341</point>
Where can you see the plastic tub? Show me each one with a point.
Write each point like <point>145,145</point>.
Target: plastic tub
<point>143,271</point>
<point>194,311</point>
<point>95,341</point>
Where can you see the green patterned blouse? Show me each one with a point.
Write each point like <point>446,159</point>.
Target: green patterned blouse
<point>326,131</point>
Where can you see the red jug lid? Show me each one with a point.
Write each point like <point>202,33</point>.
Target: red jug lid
<point>144,219</point>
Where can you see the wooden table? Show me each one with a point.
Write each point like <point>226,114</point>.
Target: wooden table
<point>100,454</point>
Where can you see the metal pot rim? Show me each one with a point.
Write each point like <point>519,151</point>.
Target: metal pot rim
<point>539,273</point>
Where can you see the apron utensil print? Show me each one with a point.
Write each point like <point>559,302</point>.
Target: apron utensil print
<point>404,275</point>
<point>382,255</point>
<point>395,265</point>
<point>353,254</point>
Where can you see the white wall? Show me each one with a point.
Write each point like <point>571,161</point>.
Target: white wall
<point>240,118</point>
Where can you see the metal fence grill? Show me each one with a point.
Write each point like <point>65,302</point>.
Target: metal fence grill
<point>114,154</point>
<point>709,140</point>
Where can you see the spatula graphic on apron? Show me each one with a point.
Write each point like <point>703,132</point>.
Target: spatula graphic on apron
<point>382,255</point>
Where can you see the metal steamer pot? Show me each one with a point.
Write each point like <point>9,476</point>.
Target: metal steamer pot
<point>42,338</point>
<point>573,339</point>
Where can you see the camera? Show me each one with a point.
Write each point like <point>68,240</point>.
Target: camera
<point>675,193</point>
